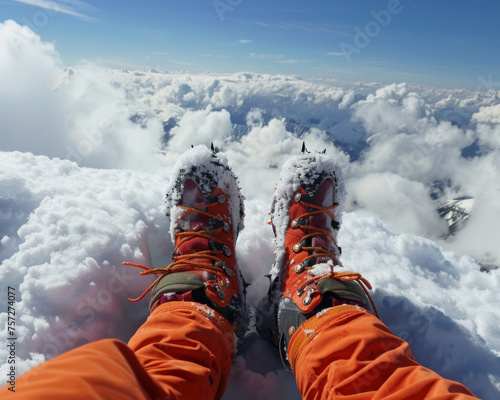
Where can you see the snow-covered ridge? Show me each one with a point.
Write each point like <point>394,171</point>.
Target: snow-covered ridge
<point>456,213</point>
<point>66,230</point>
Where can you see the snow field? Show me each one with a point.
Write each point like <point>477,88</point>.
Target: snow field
<point>67,229</point>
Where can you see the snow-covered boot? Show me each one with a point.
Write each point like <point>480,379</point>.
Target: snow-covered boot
<point>206,214</point>
<point>307,276</point>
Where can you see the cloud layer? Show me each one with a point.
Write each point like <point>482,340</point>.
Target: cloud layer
<point>398,144</point>
<point>404,150</point>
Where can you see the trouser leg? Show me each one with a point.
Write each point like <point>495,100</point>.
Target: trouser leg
<point>347,353</point>
<point>187,348</point>
<point>183,351</point>
<point>102,370</point>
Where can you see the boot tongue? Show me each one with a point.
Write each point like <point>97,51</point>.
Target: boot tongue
<point>194,222</point>
<point>323,197</point>
<point>193,245</point>
<point>192,196</point>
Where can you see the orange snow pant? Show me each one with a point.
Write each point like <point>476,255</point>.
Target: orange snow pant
<point>185,351</point>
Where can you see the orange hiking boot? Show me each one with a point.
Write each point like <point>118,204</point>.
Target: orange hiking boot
<point>307,276</point>
<point>206,214</point>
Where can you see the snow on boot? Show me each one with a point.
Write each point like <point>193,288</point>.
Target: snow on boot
<point>307,275</point>
<point>206,213</point>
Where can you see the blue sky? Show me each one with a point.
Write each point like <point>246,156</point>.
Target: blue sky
<point>441,43</point>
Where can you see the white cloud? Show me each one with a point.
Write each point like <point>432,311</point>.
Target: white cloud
<point>112,133</point>
<point>268,56</point>
<point>32,115</point>
<point>335,53</point>
<point>479,237</point>
<point>289,61</point>
<point>56,7</point>
<point>74,113</point>
<point>403,204</point>
<point>489,115</point>
<point>201,127</point>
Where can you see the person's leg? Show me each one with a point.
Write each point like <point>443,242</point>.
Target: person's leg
<point>198,302</point>
<point>183,351</point>
<point>321,316</point>
<point>349,353</point>
<point>102,370</point>
<point>187,348</point>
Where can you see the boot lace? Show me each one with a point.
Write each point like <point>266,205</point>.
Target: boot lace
<point>320,252</point>
<point>205,260</point>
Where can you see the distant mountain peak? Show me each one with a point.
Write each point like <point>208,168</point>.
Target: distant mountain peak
<point>456,212</point>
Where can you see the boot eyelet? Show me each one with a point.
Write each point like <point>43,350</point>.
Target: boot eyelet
<point>297,248</point>
<point>227,270</point>
<point>297,197</point>
<point>307,300</point>
<point>221,199</point>
<point>225,227</point>
<point>224,267</point>
<point>220,293</point>
<point>295,224</point>
<point>299,268</point>
<point>227,251</point>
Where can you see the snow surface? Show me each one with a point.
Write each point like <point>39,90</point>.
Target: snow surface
<point>66,230</point>
<point>65,227</point>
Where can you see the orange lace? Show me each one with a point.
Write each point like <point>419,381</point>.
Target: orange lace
<point>318,231</point>
<point>187,262</point>
<point>320,252</point>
